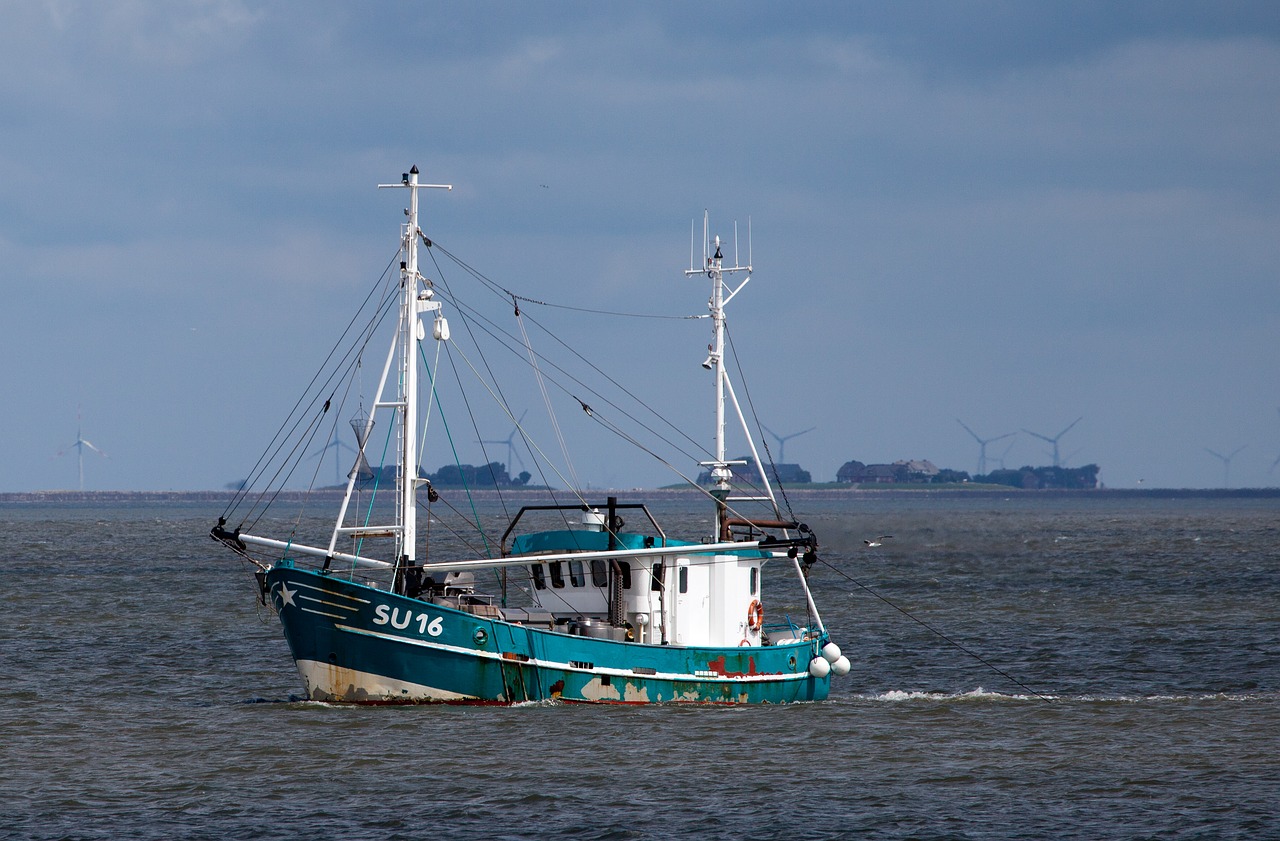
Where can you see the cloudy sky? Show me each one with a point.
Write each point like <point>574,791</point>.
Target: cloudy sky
<point>1011,214</point>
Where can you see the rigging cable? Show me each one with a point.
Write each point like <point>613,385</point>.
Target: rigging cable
<point>285,431</point>
<point>488,550</point>
<point>594,413</point>
<point>934,631</point>
<point>756,417</point>
<point>506,293</point>
<point>497,333</point>
<point>546,400</point>
<point>496,388</point>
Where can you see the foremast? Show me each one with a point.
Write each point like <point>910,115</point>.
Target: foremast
<point>416,299</point>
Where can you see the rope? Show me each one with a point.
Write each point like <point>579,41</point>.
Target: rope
<point>285,431</point>
<point>488,551</point>
<point>506,293</point>
<point>935,631</point>
<point>471,322</point>
<point>742,378</point>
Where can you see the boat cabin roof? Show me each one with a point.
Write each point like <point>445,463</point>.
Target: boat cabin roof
<point>590,540</point>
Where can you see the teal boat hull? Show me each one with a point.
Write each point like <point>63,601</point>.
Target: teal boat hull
<point>358,644</point>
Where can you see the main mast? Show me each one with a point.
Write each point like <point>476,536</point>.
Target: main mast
<point>714,268</point>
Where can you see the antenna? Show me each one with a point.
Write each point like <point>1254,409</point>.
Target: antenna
<point>706,221</point>
<point>1057,462</point>
<point>691,233</point>
<point>982,447</point>
<point>1226,463</point>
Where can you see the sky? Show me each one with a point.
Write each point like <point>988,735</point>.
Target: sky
<point>1013,215</point>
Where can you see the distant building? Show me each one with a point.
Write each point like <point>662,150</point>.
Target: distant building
<point>850,471</point>
<point>921,470</point>
<point>790,474</point>
<point>898,473</point>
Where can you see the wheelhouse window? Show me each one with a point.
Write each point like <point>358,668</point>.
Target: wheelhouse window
<point>625,568</point>
<point>684,579</point>
<point>576,576</point>
<point>655,582</point>
<point>557,574</point>
<point>755,580</point>
<point>539,576</point>
<point>599,573</point>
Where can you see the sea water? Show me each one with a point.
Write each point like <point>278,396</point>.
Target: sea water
<point>1023,667</point>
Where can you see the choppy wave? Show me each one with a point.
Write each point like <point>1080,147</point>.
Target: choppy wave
<point>145,698</point>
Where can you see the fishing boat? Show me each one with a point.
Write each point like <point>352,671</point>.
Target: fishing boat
<point>592,600</point>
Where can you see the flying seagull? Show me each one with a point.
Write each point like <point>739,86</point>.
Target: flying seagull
<point>877,541</point>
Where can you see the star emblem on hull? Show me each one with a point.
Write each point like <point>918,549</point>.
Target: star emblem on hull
<point>286,595</point>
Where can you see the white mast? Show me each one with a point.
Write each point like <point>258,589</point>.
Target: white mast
<point>415,299</point>
<point>714,268</point>
<point>407,469</point>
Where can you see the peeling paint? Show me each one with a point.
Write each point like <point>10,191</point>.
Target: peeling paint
<point>720,667</point>
<point>637,694</point>
<point>336,684</point>
<point>596,690</point>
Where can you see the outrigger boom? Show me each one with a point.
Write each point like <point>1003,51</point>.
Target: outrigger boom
<point>769,545</point>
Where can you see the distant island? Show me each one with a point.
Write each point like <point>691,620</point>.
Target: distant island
<point>853,478</point>
<point>919,472</point>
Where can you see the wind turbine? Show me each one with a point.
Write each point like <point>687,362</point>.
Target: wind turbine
<point>1003,455</point>
<point>1226,463</point>
<point>1277,461</point>
<point>1054,440</point>
<point>510,442</point>
<point>79,446</point>
<point>982,446</point>
<point>783,439</point>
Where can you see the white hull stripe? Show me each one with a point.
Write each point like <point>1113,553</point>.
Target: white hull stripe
<point>599,670</point>
<point>335,594</point>
<point>321,612</point>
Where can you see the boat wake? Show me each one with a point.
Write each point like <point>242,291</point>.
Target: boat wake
<point>984,695</point>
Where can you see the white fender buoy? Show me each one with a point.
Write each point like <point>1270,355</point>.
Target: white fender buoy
<point>831,652</point>
<point>841,666</point>
<point>818,667</point>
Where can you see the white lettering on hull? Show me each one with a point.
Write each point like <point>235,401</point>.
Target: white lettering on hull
<point>384,615</point>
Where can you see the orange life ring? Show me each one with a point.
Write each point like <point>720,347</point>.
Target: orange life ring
<point>755,615</point>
